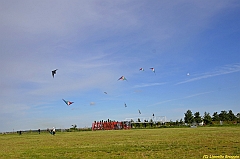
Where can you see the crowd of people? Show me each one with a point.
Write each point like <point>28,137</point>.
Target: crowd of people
<point>51,131</point>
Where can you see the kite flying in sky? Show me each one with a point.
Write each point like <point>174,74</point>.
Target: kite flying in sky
<point>141,69</point>
<point>68,102</point>
<point>54,72</point>
<point>105,92</point>
<point>139,111</point>
<point>125,104</point>
<point>122,78</point>
<point>153,69</point>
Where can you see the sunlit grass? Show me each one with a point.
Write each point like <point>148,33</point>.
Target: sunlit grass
<point>138,143</point>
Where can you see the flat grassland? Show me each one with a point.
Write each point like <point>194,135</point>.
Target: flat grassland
<point>136,143</point>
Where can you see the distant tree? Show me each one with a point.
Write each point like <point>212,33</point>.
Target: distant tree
<point>197,118</point>
<point>151,122</point>
<point>215,117</point>
<point>231,116</point>
<point>181,122</point>
<point>238,117</point>
<point>139,120</point>
<point>223,116</point>
<point>145,124</point>
<point>74,126</point>
<point>188,117</point>
<point>207,118</point>
<point>177,122</point>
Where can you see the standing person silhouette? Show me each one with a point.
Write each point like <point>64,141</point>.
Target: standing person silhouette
<point>53,131</point>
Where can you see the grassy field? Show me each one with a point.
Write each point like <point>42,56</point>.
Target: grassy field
<point>138,143</point>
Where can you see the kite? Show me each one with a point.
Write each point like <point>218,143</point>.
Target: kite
<point>125,104</point>
<point>153,69</point>
<point>105,92</point>
<point>141,69</point>
<point>188,74</point>
<point>54,72</point>
<point>68,102</point>
<point>122,78</point>
<point>139,111</point>
<point>92,103</point>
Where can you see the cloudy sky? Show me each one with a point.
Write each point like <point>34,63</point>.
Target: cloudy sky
<point>93,43</point>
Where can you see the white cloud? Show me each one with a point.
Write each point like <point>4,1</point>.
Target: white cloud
<point>227,69</point>
<point>148,85</point>
<point>186,97</point>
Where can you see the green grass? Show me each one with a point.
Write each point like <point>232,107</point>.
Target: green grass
<point>138,143</point>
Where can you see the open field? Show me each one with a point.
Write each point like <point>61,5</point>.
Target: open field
<point>138,143</point>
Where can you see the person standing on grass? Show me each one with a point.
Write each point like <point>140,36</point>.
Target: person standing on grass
<point>53,131</point>
<point>39,131</point>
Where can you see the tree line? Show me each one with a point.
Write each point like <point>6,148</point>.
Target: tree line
<point>207,119</point>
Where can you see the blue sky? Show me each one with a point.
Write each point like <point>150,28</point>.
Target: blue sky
<point>93,43</point>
